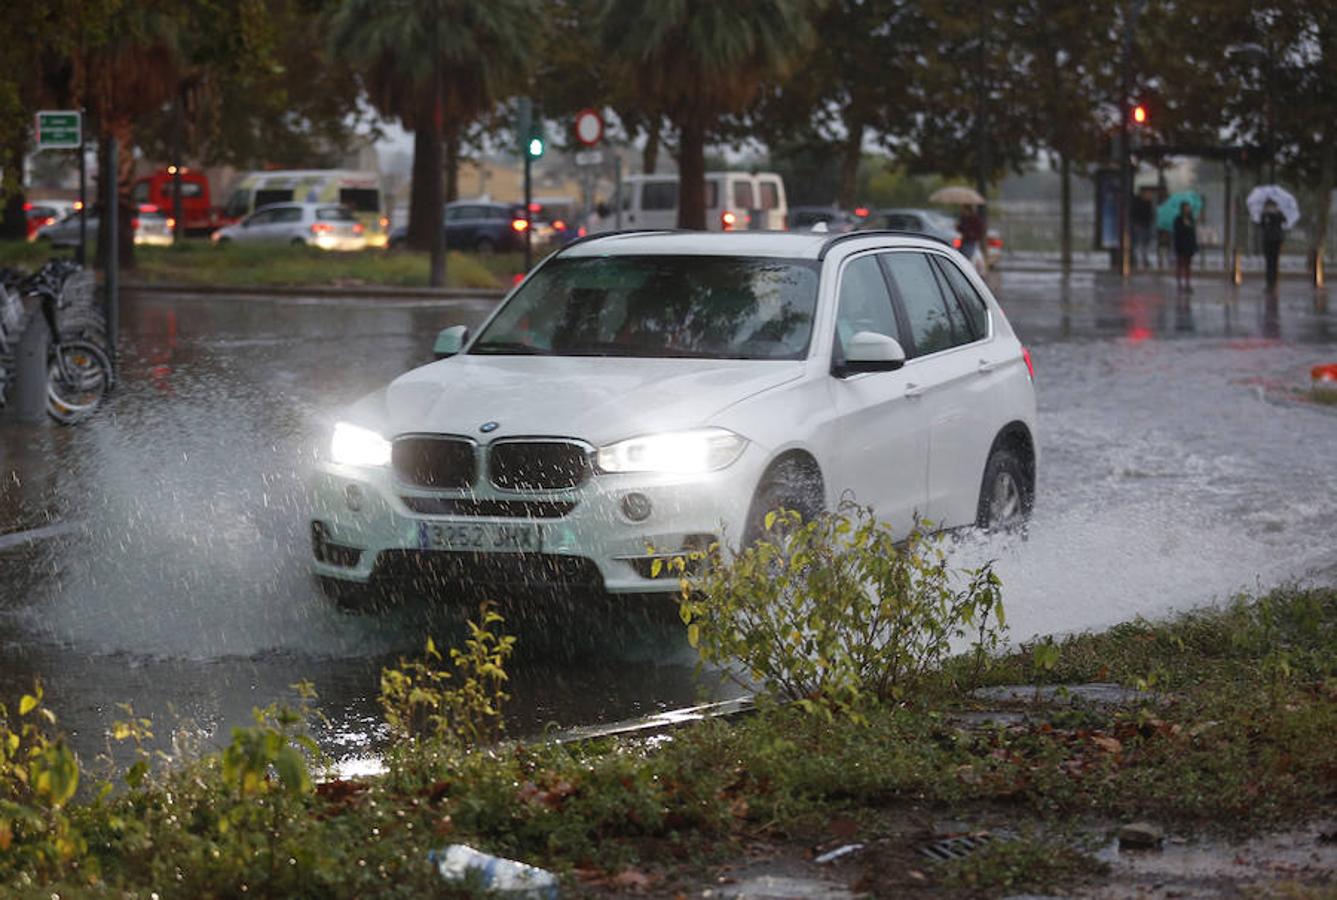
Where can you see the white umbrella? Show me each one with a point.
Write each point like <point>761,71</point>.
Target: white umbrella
<point>1285,201</point>
<point>956,194</point>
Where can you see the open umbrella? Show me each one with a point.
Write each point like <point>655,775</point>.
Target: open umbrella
<point>1168,211</point>
<point>956,194</point>
<point>1259,196</point>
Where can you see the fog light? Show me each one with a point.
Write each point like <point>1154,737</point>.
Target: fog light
<point>636,507</point>
<point>353,497</point>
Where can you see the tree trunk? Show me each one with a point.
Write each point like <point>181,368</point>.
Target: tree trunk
<point>452,164</point>
<point>692,176</point>
<point>1065,212</point>
<point>650,155</point>
<point>1327,175</point>
<point>14,223</point>
<point>425,191</point>
<point>124,134</point>
<point>851,154</point>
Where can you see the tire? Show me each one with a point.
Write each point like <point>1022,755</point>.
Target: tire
<point>787,484</point>
<point>1006,493</point>
<point>485,245</point>
<point>297,242</point>
<point>73,399</point>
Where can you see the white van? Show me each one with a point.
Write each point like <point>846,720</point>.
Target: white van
<point>735,201</point>
<point>359,191</point>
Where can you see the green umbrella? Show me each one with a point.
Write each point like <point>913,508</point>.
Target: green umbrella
<point>1168,211</point>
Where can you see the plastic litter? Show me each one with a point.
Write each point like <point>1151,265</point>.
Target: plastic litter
<point>832,855</point>
<point>506,877</point>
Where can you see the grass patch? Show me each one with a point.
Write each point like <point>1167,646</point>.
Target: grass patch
<point>199,262</point>
<point>1237,733</point>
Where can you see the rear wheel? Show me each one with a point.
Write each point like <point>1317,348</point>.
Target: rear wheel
<point>1007,495</point>
<point>788,484</point>
<point>78,377</point>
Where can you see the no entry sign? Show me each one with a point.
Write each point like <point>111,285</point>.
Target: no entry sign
<point>589,127</point>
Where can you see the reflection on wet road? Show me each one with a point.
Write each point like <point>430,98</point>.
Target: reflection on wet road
<point>1180,463</point>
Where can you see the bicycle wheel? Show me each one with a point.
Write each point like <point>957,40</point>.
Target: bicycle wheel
<point>78,377</point>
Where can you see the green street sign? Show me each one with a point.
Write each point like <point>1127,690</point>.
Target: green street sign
<point>59,129</point>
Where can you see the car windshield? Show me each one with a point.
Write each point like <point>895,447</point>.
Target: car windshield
<point>710,307</point>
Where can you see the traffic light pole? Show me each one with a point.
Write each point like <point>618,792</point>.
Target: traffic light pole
<point>529,214</point>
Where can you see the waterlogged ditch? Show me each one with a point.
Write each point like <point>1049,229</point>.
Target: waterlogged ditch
<point>1228,727</point>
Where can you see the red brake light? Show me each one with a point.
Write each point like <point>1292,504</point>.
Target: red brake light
<point>956,242</point>
<point>581,232</point>
<point>861,211</point>
<point>1030,366</point>
<point>27,207</point>
<point>49,220</point>
<point>321,227</point>
<point>728,219</point>
<point>558,225</point>
<point>357,228</point>
<point>996,243</point>
<point>520,225</point>
<point>535,207</point>
<point>147,208</point>
<point>517,277</point>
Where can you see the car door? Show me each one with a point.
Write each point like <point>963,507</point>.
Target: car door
<point>289,225</point>
<point>942,372</point>
<point>257,226</point>
<point>882,450</point>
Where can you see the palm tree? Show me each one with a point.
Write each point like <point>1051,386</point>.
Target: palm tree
<point>701,60</point>
<point>484,53</point>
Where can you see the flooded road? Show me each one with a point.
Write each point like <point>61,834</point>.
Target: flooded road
<point>1180,463</point>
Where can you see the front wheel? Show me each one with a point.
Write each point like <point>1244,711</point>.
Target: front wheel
<point>78,377</point>
<point>786,485</point>
<point>1007,495</point>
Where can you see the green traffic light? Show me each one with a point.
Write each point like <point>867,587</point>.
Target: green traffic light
<point>535,147</point>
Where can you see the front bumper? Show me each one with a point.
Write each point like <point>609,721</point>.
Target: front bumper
<point>364,529</point>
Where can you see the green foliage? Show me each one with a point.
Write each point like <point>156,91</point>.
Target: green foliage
<point>38,777</point>
<point>419,704</point>
<point>837,611</point>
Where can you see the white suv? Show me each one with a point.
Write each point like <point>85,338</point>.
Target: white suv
<point>666,390</point>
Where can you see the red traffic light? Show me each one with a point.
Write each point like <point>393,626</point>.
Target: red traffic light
<point>1140,114</point>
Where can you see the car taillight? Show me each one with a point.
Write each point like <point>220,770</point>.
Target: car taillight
<point>581,232</point>
<point>956,243</point>
<point>49,220</point>
<point>357,228</point>
<point>148,208</point>
<point>1030,366</point>
<point>321,227</point>
<point>171,223</point>
<point>517,277</point>
<point>78,205</point>
<point>134,223</point>
<point>558,225</point>
<point>728,220</point>
<point>535,207</point>
<point>27,206</point>
<point>519,225</point>
<point>385,221</point>
<point>861,211</point>
<point>996,243</point>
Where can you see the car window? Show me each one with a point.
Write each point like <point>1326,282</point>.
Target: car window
<point>264,217</point>
<point>742,195</point>
<point>770,194</point>
<point>973,305</point>
<point>188,188</point>
<point>917,287</point>
<point>865,304</point>
<point>366,200</point>
<point>288,214</point>
<point>334,214</point>
<point>657,195</point>
<point>454,214</point>
<point>709,307</point>
<point>273,195</point>
<point>140,193</point>
<point>237,204</point>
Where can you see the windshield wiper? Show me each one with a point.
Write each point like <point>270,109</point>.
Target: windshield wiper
<point>608,348</point>
<point>509,348</point>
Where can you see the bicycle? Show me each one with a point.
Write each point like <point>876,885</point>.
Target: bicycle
<point>79,372</point>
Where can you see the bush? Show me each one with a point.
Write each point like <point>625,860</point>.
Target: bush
<point>836,611</point>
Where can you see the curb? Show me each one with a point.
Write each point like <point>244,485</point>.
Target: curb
<point>318,290</point>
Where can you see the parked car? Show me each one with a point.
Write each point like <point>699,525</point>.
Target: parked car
<point>198,214</point>
<point>836,220</point>
<point>484,227</point>
<point>933,222</point>
<point>41,213</point>
<point>151,226</point>
<point>669,390</point>
<point>324,225</point>
<point>735,201</point>
<point>359,191</point>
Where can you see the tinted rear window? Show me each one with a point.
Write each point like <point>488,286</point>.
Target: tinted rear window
<point>334,214</point>
<point>367,200</point>
<point>272,195</point>
<point>659,195</point>
<point>770,195</point>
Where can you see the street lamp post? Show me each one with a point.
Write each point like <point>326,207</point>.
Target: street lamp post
<point>1133,12</point>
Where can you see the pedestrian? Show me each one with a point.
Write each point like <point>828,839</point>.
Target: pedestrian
<point>971,228</point>
<point>1274,232</point>
<point>1142,218</point>
<point>1185,246</point>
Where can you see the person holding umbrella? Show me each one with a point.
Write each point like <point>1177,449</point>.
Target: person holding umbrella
<point>1185,246</point>
<point>1273,225</point>
<point>971,227</point>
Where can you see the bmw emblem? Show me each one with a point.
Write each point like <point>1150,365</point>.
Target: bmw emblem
<point>488,427</point>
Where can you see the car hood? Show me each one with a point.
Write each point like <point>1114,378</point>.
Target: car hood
<point>595,399</point>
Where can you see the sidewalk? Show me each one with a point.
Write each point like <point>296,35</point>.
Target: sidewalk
<point>1206,264</point>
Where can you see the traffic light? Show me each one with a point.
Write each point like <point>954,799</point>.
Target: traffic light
<point>535,146</point>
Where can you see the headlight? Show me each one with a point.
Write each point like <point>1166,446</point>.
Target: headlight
<point>702,450</point>
<point>354,446</point>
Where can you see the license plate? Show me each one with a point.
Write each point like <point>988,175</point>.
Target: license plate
<point>485,537</point>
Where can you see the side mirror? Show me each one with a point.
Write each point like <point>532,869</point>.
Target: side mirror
<point>868,351</point>
<point>450,340</point>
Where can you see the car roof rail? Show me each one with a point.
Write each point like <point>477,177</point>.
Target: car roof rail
<point>603,234</point>
<point>877,232</point>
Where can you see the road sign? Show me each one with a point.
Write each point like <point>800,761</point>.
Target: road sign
<point>59,129</point>
<point>590,158</point>
<point>589,127</point>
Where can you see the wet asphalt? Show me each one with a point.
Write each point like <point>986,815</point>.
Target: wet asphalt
<point>157,555</point>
